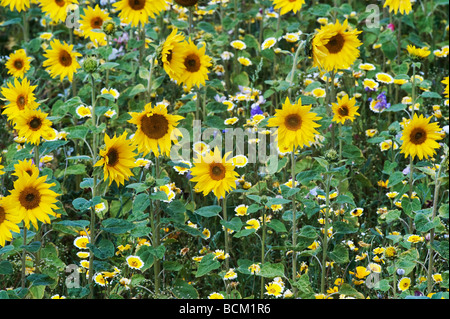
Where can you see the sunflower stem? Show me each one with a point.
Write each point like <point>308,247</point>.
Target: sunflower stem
<point>432,232</point>
<point>263,250</point>
<point>325,234</point>
<point>294,66</point>
<point>25,27</point>
<point>225,218</point>
<point>149,81</point>
<point>332,100</point>
<point>156,232</point>
<point>294,219</point>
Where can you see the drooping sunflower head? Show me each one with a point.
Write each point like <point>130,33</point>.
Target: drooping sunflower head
<point>57,9</point>
<point>215,173</point>
<point>419,138</point>
<point>61,60</point>
<point>335,46</point>
<point>196,64</point>
<point>20,97</point>
<point>117,159</point>
<point>156,129</point>
<point>32,125</point>
<point>296,125</point>
<point>18,63</point>
<point>92,23</point>
<point>404,6</point>
<point>18,5</point>
<point>33,199</point>
<point>139,11</point>
<point>172,55</point>
<point>286,6</point>
<point>9,218</point>
<point>344,109</point>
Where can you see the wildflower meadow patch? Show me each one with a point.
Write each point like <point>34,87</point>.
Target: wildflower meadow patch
<point>224,149</point>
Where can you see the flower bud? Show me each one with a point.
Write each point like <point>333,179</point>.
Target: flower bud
<point>109,27</point>
<point>90,65</point>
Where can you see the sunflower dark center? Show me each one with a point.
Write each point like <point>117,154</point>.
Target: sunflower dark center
<point>113,157</point>
<point>418,136</point>
<point>154,126</point>
<point>35,123</point>
<point>18,64</point>
<point>64,58</point>
<point>30,198</point>
<point>2,215</point>
<point>293,122</point>
<point>21,101</point>
<point>217,171</point>
<point>137,4</point>
<point>60,3</point>
<point>335,44</point>
<point>343,111</point>
<point>192,63</point>
<point>96,23</point>
<point>186,3</point>
<point>169,56</point>
<point>29,172</point>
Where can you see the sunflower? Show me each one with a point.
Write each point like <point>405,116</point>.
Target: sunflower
<point>9,218</point>
<point>196,62</point>
<point>20,96</point>
<point>25,167</point>
<point>139,11</point>
<point>19,5</point>
<point>296,125</point>
<point>32,125</point>
<point>172,55</point>
<point>214,173</point>
<point>156,129</point>
<point>335,47</point>
<point>344,109</point>
<point>419,137</point>
<point>57,9</point>
<point>418,53</point>
<point>33,199</point>
<point>91,24</point>
<point>61,60</point>
<point>118,158</point>
<point>18,63</point>
<point>404,6</point>
<point>286,6</point>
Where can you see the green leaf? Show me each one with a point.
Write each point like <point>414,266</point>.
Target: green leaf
<point>6,268</point>
<point>40,280</point>
<point>183,290</point>
<point>209,211</point>
<point>244,233</point>
<point>269,270</point>
<point>277,226</point>
<point>206,265</point>
<point>141,202</point>
<point>303,285</point>
<point>348,290</point>
<point>234,224</point>
<point>340,254</point>
<point>103,250</point>
<point>117,226</point>
<point>77,169</point>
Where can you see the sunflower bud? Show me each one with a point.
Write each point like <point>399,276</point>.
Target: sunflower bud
<point>150,180</point>
<point>90,65</point>
<point>109,27</point>
<point>331,155</point>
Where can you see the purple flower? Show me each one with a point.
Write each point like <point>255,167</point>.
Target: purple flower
<point>255,110</point>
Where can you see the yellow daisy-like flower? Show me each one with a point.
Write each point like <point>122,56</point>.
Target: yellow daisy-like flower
<point>91,24</point>
<point>81,242</point>
<point>25,167</point>
<point>156,129</point>
<point>61,60</point>
<point>273,289</point>
<point>296,125</point>
<point>418,52</point>
<point>216,295</point>
<point>286,6</point>
<point>1,167</point>
<point>33,199</point>
<point>344,109</point>
<point>196,62</point>
<point>172,55</point>
<point>384,78</point>
<point>20,97</point>
<point>9,218</point>
<point>446,90</point>
<point>244,61</point>
<point>214,173</point>
<point>57,9</point>
<point>135,262</point>
<point>404,284</point>
<point>18,5</point>
<point>404,6</point>
<point>335,47</point>
<point>32,125</point>
<point>253,224</point>
<point>18,63</point>
<point>118,158</point>
<point>361,272</point>
<point>238,45</point>
<point>139,11</point>
<point>241,210</point>
<point>419,137</point>
<point>268,43</point>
